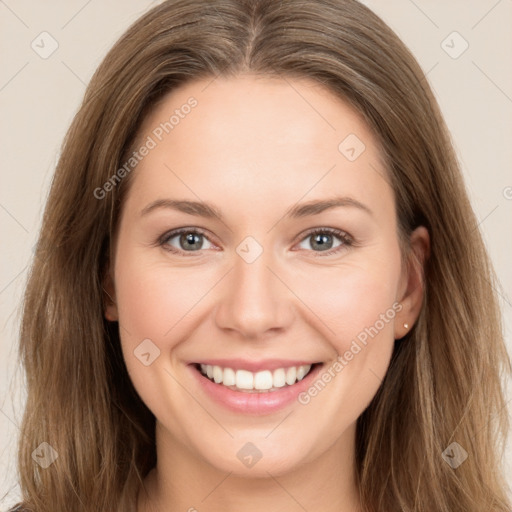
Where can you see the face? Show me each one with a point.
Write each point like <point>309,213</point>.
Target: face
<point>258,245</point>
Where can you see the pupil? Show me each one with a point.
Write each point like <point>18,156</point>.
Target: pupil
<point>322,242</point>
<point>192,240</point>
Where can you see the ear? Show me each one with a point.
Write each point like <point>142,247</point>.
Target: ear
<point>109,297</point>
<point>412,285</point>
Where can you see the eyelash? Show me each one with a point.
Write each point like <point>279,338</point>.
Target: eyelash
<point>345,238</point>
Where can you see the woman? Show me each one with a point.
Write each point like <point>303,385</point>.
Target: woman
<point>260,283</point>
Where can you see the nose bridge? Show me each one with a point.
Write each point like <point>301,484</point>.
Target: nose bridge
<point>254,300</point>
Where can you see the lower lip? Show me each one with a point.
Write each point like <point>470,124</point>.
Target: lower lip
<point>254,403</point>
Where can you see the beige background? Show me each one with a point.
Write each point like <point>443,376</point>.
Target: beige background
<point>39,96</point>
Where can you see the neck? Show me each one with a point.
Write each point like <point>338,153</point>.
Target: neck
<point>181,481</point>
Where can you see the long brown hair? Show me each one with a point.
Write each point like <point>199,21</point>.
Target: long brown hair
<point>444,381</point>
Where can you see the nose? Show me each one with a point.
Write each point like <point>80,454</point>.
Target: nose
<point>254,301</point>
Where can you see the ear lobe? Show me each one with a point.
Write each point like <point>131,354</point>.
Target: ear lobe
<point>412,297</point>
<point>109,298</point>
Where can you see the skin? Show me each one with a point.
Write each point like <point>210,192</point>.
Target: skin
<point>255,147</point>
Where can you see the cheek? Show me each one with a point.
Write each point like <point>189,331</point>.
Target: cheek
<point>358,309</point>
<point>352,298</point>
<point>361,305</point>
<point>154,298</point>
<point>156,306</point>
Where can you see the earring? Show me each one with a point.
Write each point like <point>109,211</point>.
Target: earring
<point>406,326</point>
<point>110,317</point>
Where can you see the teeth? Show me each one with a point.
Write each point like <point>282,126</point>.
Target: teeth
<point>259,381</point>
<point>229,377</point>
<point>301,372</point>
<point>291,375</point>
<point>263,380</point>
<point>244,379</point>
<point>279,377</point>
<point>217,374</point>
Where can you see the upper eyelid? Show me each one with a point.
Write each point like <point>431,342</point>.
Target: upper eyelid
<point>332,231</point>
<point>176,232</point>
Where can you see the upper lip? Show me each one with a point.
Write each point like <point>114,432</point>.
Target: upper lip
<point>254,366</point>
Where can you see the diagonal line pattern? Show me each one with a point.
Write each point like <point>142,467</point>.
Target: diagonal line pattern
<point>210,82</point>
<point>10,420</point>
<point>301,300</point>
<point>7,494</point>
<point>492,81</point>
<point>199,403</point>
<point>381,380</point>
<point>305,194</point>
<point>424,13</point>
<point>196,303</point>
<point>490,419</point>
<point>427,73</point>
<point>288,82</point>
<point>76,14</point>
<point>19,433</point>
<point>217,486</point>
<point>287,492</point>
<point>383,175</point>
<point>278,425</point>
<point>13,76</point>
<point>84,83</point>
<point>485,218</point>
<point>486,14</point>
<point>13,13</point>
<point>14,218</point>
<point>491,285</point>
<point>13,279</point>
<point>165,165</point>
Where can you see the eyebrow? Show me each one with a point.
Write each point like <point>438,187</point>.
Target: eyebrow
<point>203,209</point>
<point>316,207</point>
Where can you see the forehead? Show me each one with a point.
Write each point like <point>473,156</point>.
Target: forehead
<point>270,138</point>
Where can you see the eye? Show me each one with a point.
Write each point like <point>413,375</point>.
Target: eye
<point>324,240</point>
<point>185,240</point>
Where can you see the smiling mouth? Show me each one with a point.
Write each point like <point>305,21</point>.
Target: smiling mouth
<point>265,381</point>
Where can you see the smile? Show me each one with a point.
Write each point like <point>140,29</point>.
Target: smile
<point>255,382</point>
<point>253,388</point>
